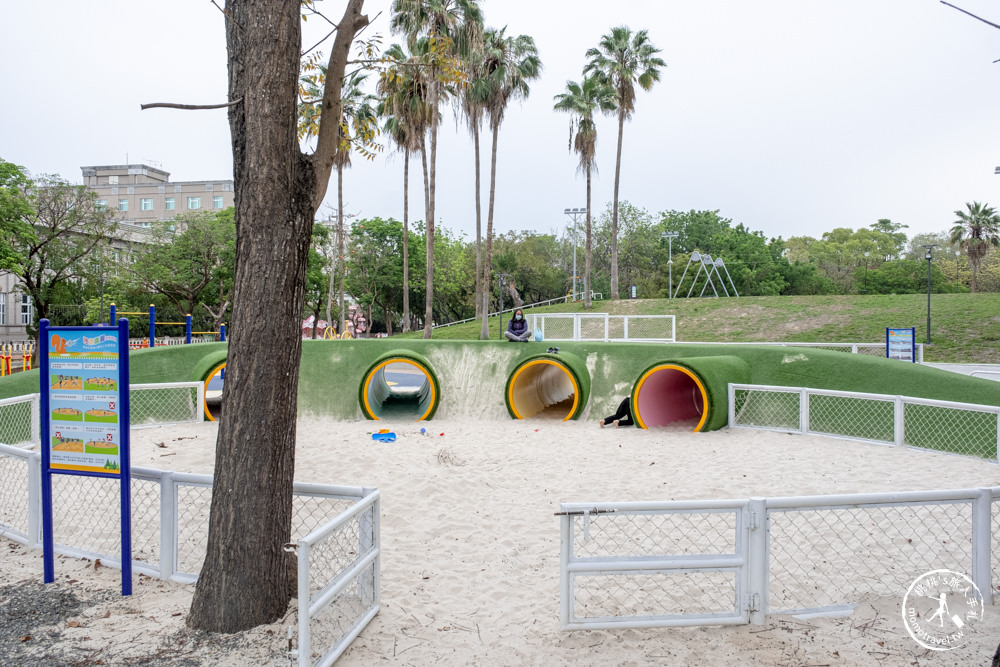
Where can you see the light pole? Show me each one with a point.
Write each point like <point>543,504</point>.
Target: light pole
<point>575,214</point>
<point>670,236</point>
<point>928,257</point>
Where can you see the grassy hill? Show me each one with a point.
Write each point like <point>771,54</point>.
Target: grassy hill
<point>965,328</point>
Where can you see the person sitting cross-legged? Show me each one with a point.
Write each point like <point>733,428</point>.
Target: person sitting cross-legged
<point>517,329</point>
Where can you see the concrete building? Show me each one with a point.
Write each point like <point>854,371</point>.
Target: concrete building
<point>141,195</point>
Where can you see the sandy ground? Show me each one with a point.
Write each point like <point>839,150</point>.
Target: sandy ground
<point>471,550</point>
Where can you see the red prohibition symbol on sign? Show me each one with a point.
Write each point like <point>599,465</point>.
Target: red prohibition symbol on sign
<point>108,436</point>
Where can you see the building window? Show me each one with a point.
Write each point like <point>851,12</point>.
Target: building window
<point>168,203</point>
<point>146,204</point>
<point>194,202</point>
<point>112,180</point>
<point>101,204</point>
<point>122,204</point>
<point>3,308</point>
<point>216,202</point>
<point>25,309</point>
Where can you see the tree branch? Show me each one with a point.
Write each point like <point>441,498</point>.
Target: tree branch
<point>188,107</point>
<point>327,142</point>
<point>971,14</point>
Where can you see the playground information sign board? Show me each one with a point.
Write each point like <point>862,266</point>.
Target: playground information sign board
<point>84,377</point>
<point>84,406</point>
<point>901,344</point>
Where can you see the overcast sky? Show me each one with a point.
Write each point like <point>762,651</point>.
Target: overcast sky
<point>792,117</point>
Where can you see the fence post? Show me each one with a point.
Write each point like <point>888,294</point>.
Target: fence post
<point>625,327</point>
<point>673,328</point>
<point>757,560</point>
<point>34,501</point>
<point>187,329</point>
<point>114,312</point>
<point>152,326</point>
<point>731,409</point>
<point>607,325</point>
<point>168,526</point>
<point>36,419</point>
<point>222,332</point>
<point>899,422</point>
<point>565,550</point>
<point>981,540</point>
<point>804,410</point>
<point>304,648</point>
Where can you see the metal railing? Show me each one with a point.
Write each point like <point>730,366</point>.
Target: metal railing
<point>718,562</point>
<point>604,327</point>
<point>549,302</point>
<point>945,426</point>
<point>867,349</point>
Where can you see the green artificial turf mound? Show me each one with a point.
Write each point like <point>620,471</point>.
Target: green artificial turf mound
<point>471,379</point>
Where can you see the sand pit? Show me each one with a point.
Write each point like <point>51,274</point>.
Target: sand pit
<point>471,546</point>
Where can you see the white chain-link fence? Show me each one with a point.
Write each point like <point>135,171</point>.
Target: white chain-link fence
<point>166,403</point>
<point>604,327</point>
<point>338,587</point>
<point>958,428</point>
<point>337,527</point>
<point>19,420</point>
<point>716,562</point>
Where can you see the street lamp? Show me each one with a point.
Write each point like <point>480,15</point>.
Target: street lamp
<point>575,214</point>
<point>670,236</point>
<point>928,257</point>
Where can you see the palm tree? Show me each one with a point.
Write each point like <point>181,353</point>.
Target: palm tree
<point>509,63</point>
<point>623,59</point>
<point>452,26</point>
<point>975,232</point>
<point>473,101</point>
<point>356,119</point>
<point>406,115</point>
<point>583,101</point>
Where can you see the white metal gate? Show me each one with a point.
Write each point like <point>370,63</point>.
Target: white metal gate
<point>654,564</point>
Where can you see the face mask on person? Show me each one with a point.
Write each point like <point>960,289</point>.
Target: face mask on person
<point>517,317</point>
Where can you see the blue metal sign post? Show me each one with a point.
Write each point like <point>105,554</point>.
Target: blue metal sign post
<point>84,378</point>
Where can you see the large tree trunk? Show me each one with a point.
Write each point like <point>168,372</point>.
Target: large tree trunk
<point>244,581</point>
<point>479,227</point>
<point>586,261</point>
<point>488,259</point>
<point>406,240</point>
<point>247,578</point>
<point>614,212</point>
<point>429,302</point>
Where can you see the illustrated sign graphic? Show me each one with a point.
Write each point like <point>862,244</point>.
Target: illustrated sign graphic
<point>901,344</point>
<point>84,415</point>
